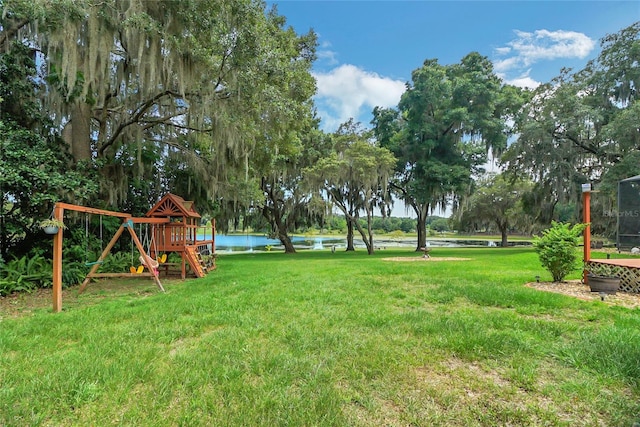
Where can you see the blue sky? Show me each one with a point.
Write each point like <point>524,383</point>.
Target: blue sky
<point>368,49</point>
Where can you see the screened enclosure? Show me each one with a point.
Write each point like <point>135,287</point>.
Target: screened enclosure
<point>629,213</point>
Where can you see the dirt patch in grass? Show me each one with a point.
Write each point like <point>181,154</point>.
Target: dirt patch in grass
<point>576,289</point>
<point>21,304</point>
<point>422,259</point>
<point>26,303</point>
<point>469,389</point>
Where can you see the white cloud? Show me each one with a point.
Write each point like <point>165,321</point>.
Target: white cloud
<point>541,45</point>
<point>328,56</point>
<point>503,65</point>
<point>348,91</point>
<point>523,82</point>
<point>324,53</point>
<point>503,50</point>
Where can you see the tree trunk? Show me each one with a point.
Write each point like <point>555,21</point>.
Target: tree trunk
<point>367,236</point>
<point>421,228</point>
<point>274,215</point>
<point>76,133</point>
<point>421,224</point>
<point>286,242</point>
<point>503,232</point>
<point>369,241</point>
<point>283,235</point>
<point>350,246</point>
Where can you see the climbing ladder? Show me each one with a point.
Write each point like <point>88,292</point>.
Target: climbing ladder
<point>195,260</point>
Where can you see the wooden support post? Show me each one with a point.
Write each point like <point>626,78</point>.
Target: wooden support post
<point>213,242</point>
<point>213,236</point>
<point>586,218</point>
<point>58,213</point>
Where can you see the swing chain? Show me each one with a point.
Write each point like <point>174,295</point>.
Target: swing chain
<point>86,240</point>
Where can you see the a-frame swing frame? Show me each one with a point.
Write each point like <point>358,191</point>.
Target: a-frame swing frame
<point>128,222</point>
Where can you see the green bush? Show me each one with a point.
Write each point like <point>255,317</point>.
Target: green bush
<point>25,274</point>
<point>73,273</point>
<point>556,248</point>
<point>119,262</point>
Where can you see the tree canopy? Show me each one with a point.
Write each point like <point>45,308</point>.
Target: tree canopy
<point>447,120</point>
<point>582,127</point>
<point>35,170</point>
<point>198,97</point>
<point>497,204</point>
<point>200,81</point>
<point>354,175</point>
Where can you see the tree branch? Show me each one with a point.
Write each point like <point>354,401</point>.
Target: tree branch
<point>148,124</point>
<point>577,142</point>
<point>10,32</point>
<point>446,131</point>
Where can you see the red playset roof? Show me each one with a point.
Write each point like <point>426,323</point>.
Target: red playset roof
<point>173,206</point>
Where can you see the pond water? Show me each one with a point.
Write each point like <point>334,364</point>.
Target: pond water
<point>251,242</point>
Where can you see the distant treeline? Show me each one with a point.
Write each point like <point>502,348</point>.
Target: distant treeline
<point>338,223</point>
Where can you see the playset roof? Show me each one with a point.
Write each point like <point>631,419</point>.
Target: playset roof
<point>173,206</point>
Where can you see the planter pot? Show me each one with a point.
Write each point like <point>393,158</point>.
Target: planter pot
<point>606,284</point>
<point>50,230</point>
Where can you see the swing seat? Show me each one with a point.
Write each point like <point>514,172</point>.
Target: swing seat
<point>163,258</point>
<point>138,270</point>
<point>89,264</point>
<point>154,264</point>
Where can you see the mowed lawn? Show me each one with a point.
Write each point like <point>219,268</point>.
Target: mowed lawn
<point>328,339</point>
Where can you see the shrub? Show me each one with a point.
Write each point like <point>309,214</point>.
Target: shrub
<point>556,248</point>
<point>25,274</point>
<point>73,273</point>
<point>119,262</point>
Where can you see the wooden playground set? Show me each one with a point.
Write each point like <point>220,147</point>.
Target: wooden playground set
<point>173,228</point>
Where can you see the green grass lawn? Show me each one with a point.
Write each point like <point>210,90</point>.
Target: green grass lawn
<point>322,339</point>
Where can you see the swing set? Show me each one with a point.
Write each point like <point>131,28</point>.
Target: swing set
<point>170,226</point>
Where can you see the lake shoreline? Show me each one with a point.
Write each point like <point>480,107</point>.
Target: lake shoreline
<point>231,243</point>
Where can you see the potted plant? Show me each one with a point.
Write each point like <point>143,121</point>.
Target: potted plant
<point>52,225</point>
<point>605,284</point>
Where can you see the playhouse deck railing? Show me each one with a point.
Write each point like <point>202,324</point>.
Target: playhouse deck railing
<point>174,237</point>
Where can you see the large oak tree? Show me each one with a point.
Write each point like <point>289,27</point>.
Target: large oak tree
<point>446,121</point>
<point>185,83</point>
<point>582,127</point>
